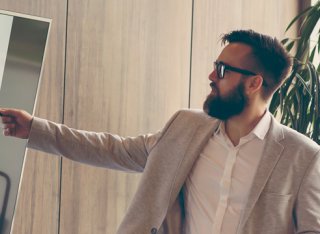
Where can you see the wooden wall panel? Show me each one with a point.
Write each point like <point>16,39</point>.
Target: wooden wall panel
<point>37,209</point>
<point>212,18</point>
<point>127,72</point>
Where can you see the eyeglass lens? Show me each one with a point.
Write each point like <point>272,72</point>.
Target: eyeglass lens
<point>220,68</point>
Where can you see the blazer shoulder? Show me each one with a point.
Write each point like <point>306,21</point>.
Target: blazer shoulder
<point>293,137</point>
<point>190,118</point>
<point>195,114</point>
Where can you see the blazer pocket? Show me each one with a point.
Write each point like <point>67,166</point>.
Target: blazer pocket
<point>272,214</point>
<point>276,204</point>
<point>276,209</point>
<point>276,195</point>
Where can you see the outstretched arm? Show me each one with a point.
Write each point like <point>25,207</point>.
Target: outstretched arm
<point>100,149</point>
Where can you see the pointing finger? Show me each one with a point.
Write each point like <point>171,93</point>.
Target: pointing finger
<point>7,119</point>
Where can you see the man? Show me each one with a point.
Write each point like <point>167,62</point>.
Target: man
<point>232,169</point>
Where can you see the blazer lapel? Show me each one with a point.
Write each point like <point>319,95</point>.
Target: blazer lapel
<point>271,154</point>
<point>197,142</point>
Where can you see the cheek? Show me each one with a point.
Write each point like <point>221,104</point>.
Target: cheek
<point>226,88</point>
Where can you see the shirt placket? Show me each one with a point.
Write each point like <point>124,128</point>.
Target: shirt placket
<point>225,186</point>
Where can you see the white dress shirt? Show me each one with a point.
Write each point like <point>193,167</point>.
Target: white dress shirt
<point>217,187</point>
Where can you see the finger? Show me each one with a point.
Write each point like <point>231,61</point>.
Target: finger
<point>8,132</point>
<point>10,126</point>
<point>9,115</point>
<point>9,112</point>
<point>7,119</point>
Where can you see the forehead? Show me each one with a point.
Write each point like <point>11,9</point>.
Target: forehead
<point>235,54</point>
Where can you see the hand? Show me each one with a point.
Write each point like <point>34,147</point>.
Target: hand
<point>17,123</point>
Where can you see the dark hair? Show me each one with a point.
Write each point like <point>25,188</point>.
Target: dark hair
<point>273,61</point>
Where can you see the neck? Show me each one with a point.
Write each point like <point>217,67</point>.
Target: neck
<point>242,124</point>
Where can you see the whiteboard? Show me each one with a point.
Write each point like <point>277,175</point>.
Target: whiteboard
<point>5,26</point>
<point>23,40</point>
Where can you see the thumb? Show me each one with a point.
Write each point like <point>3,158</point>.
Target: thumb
<point>9,112</point>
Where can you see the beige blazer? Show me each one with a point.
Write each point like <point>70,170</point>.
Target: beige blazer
<point>284,197</point>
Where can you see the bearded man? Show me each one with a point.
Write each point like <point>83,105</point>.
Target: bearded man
<point>231,168</point>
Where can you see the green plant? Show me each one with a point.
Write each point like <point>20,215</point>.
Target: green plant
<point>297,102</point>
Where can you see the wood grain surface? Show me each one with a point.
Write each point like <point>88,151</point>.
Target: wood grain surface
<point>37,209</point>
<point>127,72</point>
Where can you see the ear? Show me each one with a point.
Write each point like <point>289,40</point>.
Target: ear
<point>254,84</point>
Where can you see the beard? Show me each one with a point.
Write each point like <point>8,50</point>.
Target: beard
<point>225,107</point>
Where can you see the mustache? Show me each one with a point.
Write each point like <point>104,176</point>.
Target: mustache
<point>213,85</point>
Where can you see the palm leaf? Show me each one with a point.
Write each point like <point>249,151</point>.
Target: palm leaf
<point>304,84</point>
<point>297,17</point>
<point>298,99</point>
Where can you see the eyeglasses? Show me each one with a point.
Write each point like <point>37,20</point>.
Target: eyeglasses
<point>220,67</point>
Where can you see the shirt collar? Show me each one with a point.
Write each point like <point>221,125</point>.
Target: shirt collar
<point>260,130</point>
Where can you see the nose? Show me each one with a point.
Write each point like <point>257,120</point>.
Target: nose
<point>213,75</point>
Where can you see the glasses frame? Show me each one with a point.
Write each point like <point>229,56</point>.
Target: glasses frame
<point>221,67</point>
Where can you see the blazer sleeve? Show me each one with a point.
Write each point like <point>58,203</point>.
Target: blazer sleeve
<point>101,149</point>
<point>308,200</point>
